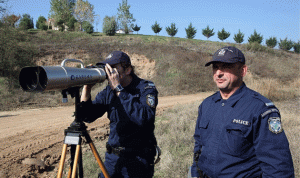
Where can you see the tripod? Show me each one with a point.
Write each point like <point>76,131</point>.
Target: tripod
<point>73,137</point>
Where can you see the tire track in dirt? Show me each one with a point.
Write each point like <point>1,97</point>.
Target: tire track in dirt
<point>37,134</point>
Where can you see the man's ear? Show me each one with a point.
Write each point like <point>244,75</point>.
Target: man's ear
<point>244,70</point>
<point>128,70</point>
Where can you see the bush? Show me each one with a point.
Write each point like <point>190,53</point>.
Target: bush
<point>109,25</point>
<point>297,47</point>
<point>88,27</point>
<point>71,23</point>
<point>223,35</point>
<point>255,37</point>
<point>286,44</point>
<point>190,31</point>
<point>239,37</point>
<point>271,42</point>
<point>41,22</point>
<point>172,30</point>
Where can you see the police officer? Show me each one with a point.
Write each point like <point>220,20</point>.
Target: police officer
<point>130,103</point>
<point>238,131</point>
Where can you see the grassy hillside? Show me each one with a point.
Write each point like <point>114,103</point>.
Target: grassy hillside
<point>179,64</point>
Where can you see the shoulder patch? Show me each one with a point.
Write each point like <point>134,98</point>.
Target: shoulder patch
<point>269,111</point>
<point>275,125</point>
<point>150,99</point>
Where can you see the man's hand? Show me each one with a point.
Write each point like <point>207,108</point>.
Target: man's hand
<point>113,76</point>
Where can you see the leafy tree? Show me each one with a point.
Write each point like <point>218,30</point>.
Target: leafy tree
<point>61,10</point>
<point>71,23</point>
<point>255,37</point>
<point>190,31</point>
<point>11,20</point>
<point>172,30</point>
<point>84,11</point>
<point>109,25</point>
<point>286,44</point>
<point>125,17</point>
<point>297,47</point>
<point>223,35</point>
<point>271,42</point>
<point>156,28</point>
<point>207,32</point>
<point>87,27</point>
<point>136,28</point>
<point>26,22</point>
<point>41,23</point>
<point>239,37</point>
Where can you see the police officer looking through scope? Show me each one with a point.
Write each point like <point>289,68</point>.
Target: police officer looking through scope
<point>130,103</point>
<point>238,131</point>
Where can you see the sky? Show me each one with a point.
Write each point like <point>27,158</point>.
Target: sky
<point>270,18</point>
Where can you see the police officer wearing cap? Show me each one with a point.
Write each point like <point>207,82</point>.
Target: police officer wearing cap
<point>238,131</point>
<point>130,103</point>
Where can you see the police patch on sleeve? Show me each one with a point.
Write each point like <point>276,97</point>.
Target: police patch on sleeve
<point>275,125</point>
<point>150,99</point>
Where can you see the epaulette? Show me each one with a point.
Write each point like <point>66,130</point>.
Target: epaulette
<point>149,85</point>
<point>265,100</point>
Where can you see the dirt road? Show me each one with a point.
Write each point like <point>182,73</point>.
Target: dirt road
<point>31,140</point>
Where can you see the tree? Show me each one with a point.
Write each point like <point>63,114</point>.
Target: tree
<point>207,32</point>
<point>286,44</point>
<point>156,28</point>
<point>239,37</point>
<point>136,28</point>
<point>84,11</point>
<point>297,47</point>
<point>190,31</point>
<point>271,42</point>
<point>109,25</point>
<point>255,37</point>
<point>26,22</point>
<point>172,30</point>
<point>87,27</point>
<point>41,23</point>
<point>11,20</point>
<point>61,11</point>
<point>223,35</point>
<point>71,23</point>
<point>125,17</point>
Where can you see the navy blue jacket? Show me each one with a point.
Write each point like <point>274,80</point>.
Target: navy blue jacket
<point>131,114</point>
<point>241,137</point>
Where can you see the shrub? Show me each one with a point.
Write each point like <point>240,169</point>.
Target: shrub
<point>109,25</point>
<point>255,37</point>
<point>172,30</point>
<point>271,42</point>
<point>190,32</point>
<point>88,27</point>
<point>207,32</point>
<point>223,35</point>
<point>156,28</point>
<point>297,47</point>
<point>239,37</point>
<point>286,44</point>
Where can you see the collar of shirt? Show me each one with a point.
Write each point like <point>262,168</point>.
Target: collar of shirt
<point>133,84</point>
<point>233,99</point>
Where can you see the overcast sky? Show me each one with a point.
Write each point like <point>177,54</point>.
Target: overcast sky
<point>270,18</point>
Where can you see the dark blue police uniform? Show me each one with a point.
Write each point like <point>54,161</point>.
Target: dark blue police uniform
<point>240,137</point>
<point>131,143</point>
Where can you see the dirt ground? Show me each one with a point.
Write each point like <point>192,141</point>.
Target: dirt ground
<point>31,140</point>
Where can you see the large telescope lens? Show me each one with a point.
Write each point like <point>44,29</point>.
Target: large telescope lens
<point>33,78</point>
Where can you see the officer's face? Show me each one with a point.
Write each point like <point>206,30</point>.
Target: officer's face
<point>123,73</point>
<point>228,77</point>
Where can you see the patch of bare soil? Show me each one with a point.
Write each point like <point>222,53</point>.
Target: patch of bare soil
<point>31,140</point>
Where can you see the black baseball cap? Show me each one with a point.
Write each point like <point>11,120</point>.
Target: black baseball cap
<point>116,57</point>
<point>227,54</point>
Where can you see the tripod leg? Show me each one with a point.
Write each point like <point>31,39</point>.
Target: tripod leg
<point>76,161</point>
<point>102,167</point>
<point>62,161</point>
